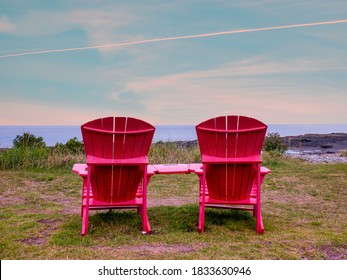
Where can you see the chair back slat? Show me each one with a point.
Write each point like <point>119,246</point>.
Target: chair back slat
<point>118,137</point>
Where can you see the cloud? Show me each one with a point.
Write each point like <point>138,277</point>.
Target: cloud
<point>126,100</point>
<point>29,113</point>
<point>286,5</point>
<point>101,26</point>
<point>6,26</point>
<point>225,74</point>
<point>250,87</point>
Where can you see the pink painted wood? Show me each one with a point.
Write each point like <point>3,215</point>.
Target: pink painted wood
<point>231,175</point>
<point>171,168</point>
<point>117,166</point>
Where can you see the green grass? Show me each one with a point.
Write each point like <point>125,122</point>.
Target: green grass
<point>60,156</point>
<point>304,211</point>
<point>42,157</point>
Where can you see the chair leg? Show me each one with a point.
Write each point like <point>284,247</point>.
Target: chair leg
<point>260,225</point>
<point>85,213</point>
<point>259,219</point>
<point>202,199</point>
<point>201,227</point>
<point>84,190</point>
<point>146,228</point>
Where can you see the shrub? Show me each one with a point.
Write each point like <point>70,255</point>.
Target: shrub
<point>173,152</point>
<point>75,146</point>
<point>72,146</point>
<point>273,143</point>
<point>28,140</point>
<point>31,152</point>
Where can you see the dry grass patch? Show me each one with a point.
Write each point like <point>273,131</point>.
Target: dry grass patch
<point>152,251</point>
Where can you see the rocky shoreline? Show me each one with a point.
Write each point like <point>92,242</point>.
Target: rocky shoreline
<point>320,158</point>
<point>317,148</point>
<point>314,148</point>
<point>320,143</point>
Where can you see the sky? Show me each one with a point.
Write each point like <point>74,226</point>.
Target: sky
<point>279,76</point>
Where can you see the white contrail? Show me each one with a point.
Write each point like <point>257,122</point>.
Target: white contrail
<point>178,38</point>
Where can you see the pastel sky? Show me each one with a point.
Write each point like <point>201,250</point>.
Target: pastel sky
<point>282,76</point>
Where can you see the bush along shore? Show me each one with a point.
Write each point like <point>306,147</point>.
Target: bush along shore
<point>30,151</point>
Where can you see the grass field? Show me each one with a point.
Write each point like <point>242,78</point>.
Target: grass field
<point>304,210</point>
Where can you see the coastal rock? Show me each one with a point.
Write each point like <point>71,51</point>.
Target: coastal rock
<point>307,144</point>
<point>317,148</point>
<point>313,148</point>
<point>327,143</point>
<point>185,144</point>
<point>319,158</point>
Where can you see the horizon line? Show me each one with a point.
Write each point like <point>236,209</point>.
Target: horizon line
<point>304,124</point>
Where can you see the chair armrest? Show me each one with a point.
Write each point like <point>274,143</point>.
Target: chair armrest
<point>197,169</point>
<point>151,170</point>
<point>80,169</point>
<point>222,160</point>
<point>264,170</point>
<point>92,160</point>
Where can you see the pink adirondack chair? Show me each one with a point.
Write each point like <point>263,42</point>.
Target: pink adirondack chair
<point>116,153</point>
<point>231,175</point>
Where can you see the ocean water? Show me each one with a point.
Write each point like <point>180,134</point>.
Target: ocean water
<point>61,134</point>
